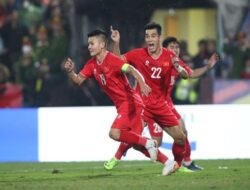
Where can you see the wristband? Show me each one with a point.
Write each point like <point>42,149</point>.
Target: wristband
<point>179,68</point>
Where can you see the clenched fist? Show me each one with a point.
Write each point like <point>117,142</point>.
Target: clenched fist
<point>69,65</point>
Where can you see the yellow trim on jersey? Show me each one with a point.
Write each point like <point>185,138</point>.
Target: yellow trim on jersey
<point>125,67</point>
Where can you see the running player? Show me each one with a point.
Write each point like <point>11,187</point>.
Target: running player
<point>155,64</point>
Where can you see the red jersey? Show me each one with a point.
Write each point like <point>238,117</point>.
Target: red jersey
<point>112,80</point>
<point>155,72</point>
<point>170,84</point>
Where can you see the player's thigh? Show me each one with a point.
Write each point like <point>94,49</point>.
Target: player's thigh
<point>180,120</point>
<point>176,133</point>
<point>182,125</point>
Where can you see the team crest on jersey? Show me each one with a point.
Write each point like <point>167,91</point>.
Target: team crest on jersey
<point>147,62</point>
<point>94,71</point>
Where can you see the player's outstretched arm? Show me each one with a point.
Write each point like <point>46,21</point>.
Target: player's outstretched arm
<point>145,89</point>
<point>115,36</point>
<point>69,68</point>
<point>211,63</point>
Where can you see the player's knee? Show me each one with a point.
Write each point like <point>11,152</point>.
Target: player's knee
<point>159,141</point>
<point>113,134</point>
<point>181,139</point>
<point>185,131</point>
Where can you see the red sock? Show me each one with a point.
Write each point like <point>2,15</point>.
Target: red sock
<point>178,152</point>
<point>121,150</point>
<point>188,151</point>
<point>130,137</point>
<point>160,157</point>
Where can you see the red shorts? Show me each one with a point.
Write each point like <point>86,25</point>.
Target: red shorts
<point>171,105</point>
<point>129,119</point>
<point>161,114</point>
<point>178,116</point>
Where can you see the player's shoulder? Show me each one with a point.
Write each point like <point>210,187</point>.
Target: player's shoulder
<point>90,61</point>
<point>112,56</point>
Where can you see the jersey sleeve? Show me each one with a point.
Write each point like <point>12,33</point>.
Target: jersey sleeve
<point>131,56</point>
<point>87,70</point>
<point>187,68</point>
<point>170,55</point>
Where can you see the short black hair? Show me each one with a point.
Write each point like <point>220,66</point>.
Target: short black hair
<point>99,32</point>
<point>202,42</point>
<point>153,25</point>
<point>169,40</point>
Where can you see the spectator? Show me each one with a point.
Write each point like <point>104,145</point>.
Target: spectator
<point>26,72</point>
<point>59,44</point>
<point>4,58</point>
<point>217,71</point>
<point>184,48</point>
<point>10,94</point>
<point>201,58</point>
<point>239,50</point>
<point>15,30</point>
<point>42,46</point>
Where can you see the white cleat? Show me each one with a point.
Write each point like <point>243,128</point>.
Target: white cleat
<point>170,167</point>
<point>152,149</point>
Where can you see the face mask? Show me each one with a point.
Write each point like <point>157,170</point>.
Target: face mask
<point>26,49</point>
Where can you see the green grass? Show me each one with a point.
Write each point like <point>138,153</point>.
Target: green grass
<point>129,175</point>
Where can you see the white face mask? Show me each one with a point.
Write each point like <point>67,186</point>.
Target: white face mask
<point>26,49</point>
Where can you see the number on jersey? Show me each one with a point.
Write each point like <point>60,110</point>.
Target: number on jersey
<point>157,128</point>
<point>156,72</point>
<point>103,80</point>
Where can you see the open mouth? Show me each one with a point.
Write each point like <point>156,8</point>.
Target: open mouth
<point>151,45</point>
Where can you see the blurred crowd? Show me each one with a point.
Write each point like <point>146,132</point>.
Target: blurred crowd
<point>34,42</point>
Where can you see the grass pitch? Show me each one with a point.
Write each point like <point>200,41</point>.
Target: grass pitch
<point>128,175</point>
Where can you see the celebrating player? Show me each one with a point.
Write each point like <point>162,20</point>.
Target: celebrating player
<point>155,64</point>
